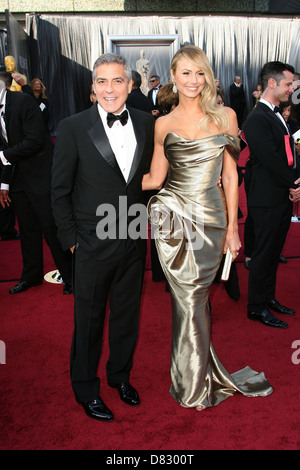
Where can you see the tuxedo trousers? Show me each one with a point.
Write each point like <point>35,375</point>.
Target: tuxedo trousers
<point>7,222</point>
<point>35,219</point>
<point>270,225</point>
<point>248,228</point>
<point>112,286</point>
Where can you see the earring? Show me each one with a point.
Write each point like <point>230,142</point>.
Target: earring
<point>174,89</point>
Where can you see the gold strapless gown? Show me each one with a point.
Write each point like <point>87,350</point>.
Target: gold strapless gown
<point>188,218</point>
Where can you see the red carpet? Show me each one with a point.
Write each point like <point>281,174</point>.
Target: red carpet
<point>37,408</point>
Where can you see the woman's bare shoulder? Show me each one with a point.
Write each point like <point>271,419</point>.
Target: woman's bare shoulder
<point>162,126</point>
<point>230,113</point>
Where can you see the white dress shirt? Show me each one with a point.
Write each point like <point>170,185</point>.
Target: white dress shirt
<point>3,130</point>
<point>272,106</point>
<point>122,141</point>
<point>154,95</point>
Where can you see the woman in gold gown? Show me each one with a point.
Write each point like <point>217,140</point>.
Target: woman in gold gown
<point>194,222</point>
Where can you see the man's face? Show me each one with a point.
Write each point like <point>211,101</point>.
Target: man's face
<point>111,87</point>
<point>282,91</point>
<point>154,82</point>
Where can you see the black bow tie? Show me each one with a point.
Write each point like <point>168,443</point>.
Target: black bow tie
<point>123,118</point>
<point>276,109</point>
<point>156,88</point>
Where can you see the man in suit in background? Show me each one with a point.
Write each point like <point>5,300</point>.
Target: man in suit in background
<point>273,186</point>
<point>152,95</point>
<point>26,155</point>
<point>237,99</point>
<point>98,161</point>
<point>136,99</point>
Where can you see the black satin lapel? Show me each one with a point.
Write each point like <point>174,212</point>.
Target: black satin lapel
<point>139,131</point>
<point>271,113</point>
<point>101,142</point>
<point>7,112</point>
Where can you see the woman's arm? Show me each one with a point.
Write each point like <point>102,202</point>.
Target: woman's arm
<point>159,164</point>
<point>231,190</point>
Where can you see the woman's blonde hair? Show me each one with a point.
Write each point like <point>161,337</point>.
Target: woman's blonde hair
<point>207,99</point>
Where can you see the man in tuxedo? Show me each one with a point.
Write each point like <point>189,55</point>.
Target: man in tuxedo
<point>26,154</point>
<point>7,220</point>
<point>99,162</point>
<point>274,184</point>
<point>136,99</point>
<point>237,99</point>
<point>152,95</point>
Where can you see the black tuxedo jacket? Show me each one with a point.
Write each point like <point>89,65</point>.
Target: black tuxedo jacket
<point>271,176</point>
<point>29,149</point>
<point>237,97</point>
<point>86,174</point>
<point>154,105</point>
<point>136,99</point>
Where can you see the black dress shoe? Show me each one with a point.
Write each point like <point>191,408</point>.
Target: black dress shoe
<point>67,289</point>
<point>96,409</point>
<point>22,286</point>
<point>274,305</point>
<point>282,259</point>
<point>267,318</point>
<point>15,236</point>
<point>127,393</point>
<point>247,263</point>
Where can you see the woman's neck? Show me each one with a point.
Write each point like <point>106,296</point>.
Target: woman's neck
<point>190,107</point>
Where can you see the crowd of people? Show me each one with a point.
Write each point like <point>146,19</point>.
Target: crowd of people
<point>179,145</point>
<point>26,161</point>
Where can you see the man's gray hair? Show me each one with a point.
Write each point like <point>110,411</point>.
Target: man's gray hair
<point>110,58</point>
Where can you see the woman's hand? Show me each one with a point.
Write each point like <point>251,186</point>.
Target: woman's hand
<point>295,193</point>
<point>233,242</point>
